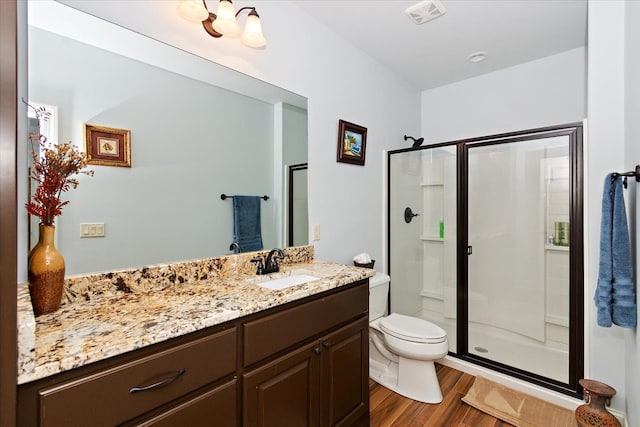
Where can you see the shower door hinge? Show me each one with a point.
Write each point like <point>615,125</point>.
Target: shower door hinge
<point>469,250</point>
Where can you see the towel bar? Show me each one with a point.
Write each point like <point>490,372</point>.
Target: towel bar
<point>225,197</point>
<point>634,173</point>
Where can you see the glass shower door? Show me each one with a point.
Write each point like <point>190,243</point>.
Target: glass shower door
<point>422,235</point>
<point>518,284</point>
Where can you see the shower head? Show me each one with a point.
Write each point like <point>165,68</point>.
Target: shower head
<point>416,142</point>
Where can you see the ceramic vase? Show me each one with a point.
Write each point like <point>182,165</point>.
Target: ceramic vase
<point>46,273</point>
<point>594,413</point>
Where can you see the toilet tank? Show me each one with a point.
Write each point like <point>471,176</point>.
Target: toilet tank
<point>378,295</point>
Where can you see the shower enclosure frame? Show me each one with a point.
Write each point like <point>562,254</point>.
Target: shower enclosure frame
<point>574,132</point>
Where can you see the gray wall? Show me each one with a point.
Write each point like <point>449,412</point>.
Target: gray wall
<point>376,98</point>
<point>190,142</point>
<point>294,153</point>
<point>294,132</point>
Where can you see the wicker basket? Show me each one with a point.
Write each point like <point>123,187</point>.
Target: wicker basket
<point>367,265</point>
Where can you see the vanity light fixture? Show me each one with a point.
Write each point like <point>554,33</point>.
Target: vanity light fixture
<point>224,22</point>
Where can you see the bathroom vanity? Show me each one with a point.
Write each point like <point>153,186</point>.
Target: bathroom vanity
<point>300,357</point>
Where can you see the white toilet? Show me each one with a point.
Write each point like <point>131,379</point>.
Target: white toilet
<point>402,349</point>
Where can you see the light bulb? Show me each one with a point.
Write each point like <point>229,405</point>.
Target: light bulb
<point>252,35</point>
<point>226,23</point>
<point>192,10</point>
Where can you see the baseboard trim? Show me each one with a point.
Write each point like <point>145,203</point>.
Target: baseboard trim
<point>522,386</point>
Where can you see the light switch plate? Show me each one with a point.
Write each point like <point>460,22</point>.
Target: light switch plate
<point>92,229</point>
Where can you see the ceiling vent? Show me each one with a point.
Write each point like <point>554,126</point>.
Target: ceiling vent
<point>425,11</point>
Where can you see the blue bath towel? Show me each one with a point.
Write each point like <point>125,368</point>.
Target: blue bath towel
<point>615,291</point>
<point>247,231</point>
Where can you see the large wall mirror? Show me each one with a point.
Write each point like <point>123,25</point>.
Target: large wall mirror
<point>198,130</point>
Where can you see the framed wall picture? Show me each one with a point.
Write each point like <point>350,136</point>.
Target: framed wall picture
<point>107,146</point>
<point>352,142</point>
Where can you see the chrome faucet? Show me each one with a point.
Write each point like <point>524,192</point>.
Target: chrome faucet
<point>271,264</point>
<point>235,247</point>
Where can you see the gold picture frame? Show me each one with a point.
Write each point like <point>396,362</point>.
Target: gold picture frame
<point>107,146</point>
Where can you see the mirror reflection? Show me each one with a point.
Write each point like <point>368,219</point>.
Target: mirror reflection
<point>191,141</point>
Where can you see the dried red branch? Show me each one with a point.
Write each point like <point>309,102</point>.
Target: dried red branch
<point>52,169</point>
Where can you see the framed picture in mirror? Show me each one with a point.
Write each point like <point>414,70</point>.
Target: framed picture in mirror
<point>107,146</point>
<point>352,142</point>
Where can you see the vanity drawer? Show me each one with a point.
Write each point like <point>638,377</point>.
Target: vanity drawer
<point>217,406</point>
<point>270,334</point>
<point>126,391</point>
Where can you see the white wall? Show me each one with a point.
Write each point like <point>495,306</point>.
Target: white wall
<point>340,81</point>
<point>606,154</point>
<point>545,92</point>
<point>632,158</point>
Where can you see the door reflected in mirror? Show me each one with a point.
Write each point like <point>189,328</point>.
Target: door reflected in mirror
<point>298,208</point>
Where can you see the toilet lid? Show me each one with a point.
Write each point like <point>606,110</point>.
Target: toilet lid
<point>412,329</point>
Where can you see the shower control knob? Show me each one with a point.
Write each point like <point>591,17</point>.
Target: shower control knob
<point>408,215</point>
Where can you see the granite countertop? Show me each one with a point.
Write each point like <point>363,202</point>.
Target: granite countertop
<point>112,323</point>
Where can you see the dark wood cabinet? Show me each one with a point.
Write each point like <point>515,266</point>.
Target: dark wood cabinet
<point>344,380</point>
<point>323,383</point>
<point>301,364</point>
<point>284,392</point>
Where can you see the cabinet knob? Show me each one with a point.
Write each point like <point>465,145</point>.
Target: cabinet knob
<point>316,349</point>
<point>326,344</point>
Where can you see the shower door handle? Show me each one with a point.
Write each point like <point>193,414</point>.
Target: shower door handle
<point>469,250</point>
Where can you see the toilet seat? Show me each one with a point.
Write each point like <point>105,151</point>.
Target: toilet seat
<point>412,329</point>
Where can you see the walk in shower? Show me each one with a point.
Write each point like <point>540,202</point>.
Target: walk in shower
<point>485,240</point>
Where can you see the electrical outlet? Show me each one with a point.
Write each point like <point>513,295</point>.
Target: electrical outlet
<point>315,232</point>
<point>92,229</point>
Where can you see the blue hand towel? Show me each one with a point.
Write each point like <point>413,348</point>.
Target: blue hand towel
<point>615,291</point>
<point>247,231</point>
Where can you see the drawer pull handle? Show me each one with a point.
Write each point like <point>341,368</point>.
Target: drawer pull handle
<point>326,344</point>
<point>316,350</point>
<point>160,383</point>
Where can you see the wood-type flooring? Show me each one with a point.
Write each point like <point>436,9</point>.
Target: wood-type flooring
<point>390,409</point>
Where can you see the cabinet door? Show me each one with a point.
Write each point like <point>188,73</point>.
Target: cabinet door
<point>284,393</point>
<point>214,407</point>
<point>344,384</point>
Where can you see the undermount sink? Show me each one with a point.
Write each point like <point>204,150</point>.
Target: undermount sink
<point>287,281</point>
